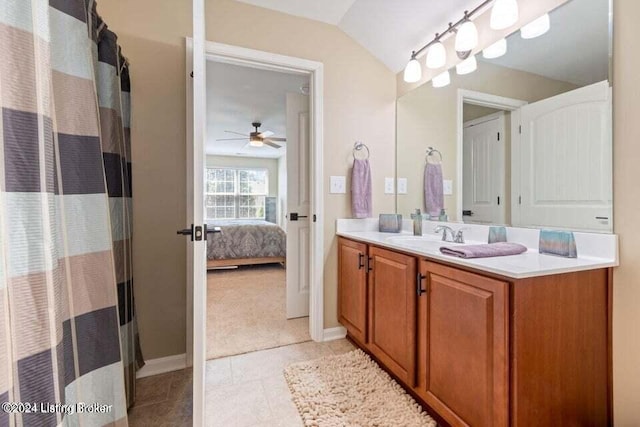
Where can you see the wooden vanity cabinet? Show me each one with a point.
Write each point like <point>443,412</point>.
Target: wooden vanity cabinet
<point>352,288</point>
<point>480,349</point>
<point>463,345</point>
<point>392,311</point>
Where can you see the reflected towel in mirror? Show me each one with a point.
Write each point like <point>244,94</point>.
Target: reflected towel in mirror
<point>433,190</point>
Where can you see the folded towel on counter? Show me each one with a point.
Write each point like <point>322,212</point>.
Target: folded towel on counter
<point>361,206</point>
<point>484,251</point>
<point>433,191</point>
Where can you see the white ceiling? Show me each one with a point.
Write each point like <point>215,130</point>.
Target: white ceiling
<point>575,49</point>
<point>391,29</point>
<point>238,96</point>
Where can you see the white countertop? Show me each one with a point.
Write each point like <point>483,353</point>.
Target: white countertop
<point>528,264</point>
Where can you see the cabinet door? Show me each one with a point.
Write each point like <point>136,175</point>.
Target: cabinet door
<point>463,346</point>
<point>352,288</point>
<point>392,312</point>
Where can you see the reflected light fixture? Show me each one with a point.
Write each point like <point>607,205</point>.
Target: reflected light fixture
<point>496,50</point>
<point>441,80</point>
<point>536,28</point>
<point>504,14</point>
<point>436,55</point>
<point>413,70</point>
<point>467,36</point>
<point>467,66</point>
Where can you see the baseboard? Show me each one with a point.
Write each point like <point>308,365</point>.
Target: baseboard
<point>336,333</point>
<point>162,365</point>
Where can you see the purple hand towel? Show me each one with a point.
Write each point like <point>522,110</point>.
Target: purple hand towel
<point>433,192</point>
<point>484,251</point>
<point>361,189</point>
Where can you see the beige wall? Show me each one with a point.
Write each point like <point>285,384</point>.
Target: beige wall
<point>626,205</point>
<point>270,165</point>
<point>427,117</point>
<point>359,104</point>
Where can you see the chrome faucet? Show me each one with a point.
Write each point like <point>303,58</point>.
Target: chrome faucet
<point>456,237</point>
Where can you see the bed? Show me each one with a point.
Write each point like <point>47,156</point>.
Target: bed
<point>245,242</point>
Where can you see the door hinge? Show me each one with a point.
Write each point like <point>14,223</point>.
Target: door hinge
<point>191,74</point>
<point>498,200</point>
<point>520,129</point>
<point>314,218</point>
<point>498,136</point>
<point>519,200</point>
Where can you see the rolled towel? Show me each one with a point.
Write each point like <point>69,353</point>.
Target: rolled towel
<point>484,251</point>
<point>361,206</point>
<point>433,191</point>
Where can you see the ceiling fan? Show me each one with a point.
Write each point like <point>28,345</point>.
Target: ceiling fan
<point>256,138</point>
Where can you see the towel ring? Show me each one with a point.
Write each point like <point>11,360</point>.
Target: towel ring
<point>358,146</point>
<point>431,152</point>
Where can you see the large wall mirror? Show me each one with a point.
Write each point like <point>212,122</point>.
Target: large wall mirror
<point>526,139</point>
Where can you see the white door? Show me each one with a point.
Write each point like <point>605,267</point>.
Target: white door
<point>565,161</point>
<point>483,177</point>
<point>196,248</point>
<point>298,205</point>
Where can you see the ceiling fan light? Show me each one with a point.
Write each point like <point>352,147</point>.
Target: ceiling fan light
<point>536,28</point>
<point>496,50</point>
<point>436,56</point>
<point>467,66</point>
<point>413,71</point>
<point>256,142</point>
<point>467,37</point>
<point>441,80</point>
<point>504,14</point>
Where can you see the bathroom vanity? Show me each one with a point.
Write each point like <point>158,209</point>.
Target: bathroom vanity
<point>519,340</point>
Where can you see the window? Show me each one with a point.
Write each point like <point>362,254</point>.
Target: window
<point>236,193</point>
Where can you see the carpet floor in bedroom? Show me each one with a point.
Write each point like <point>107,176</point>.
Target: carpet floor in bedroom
<point>246,311</point>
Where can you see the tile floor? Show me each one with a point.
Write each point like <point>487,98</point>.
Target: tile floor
<point>243,390</point>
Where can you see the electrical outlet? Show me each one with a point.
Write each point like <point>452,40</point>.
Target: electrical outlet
<point>338,185</point>
<point>402,185</point>
<point>389,186</point>
<point>447,187</point>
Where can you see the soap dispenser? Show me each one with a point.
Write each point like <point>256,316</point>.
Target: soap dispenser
<point>417,223</point>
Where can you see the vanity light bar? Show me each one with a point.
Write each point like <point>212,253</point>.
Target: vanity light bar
<point>503,15</point>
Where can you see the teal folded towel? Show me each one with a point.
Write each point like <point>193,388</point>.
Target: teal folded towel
<point>497,234</point>
<point>560,243</point>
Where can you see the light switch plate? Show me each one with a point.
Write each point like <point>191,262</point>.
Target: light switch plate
<point>402,185</point>
<point>447,187</point>
<point>338,185</point>
<point>389,186</point>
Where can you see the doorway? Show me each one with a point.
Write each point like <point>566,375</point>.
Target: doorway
<point>198,52</point>
<point>257,194</point>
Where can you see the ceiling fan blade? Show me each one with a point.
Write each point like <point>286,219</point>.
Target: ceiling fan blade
<point>278,139</point>
<point>237,133</point>
<point>265,134</point>
<point>271,143</point>
<point>232,139</point>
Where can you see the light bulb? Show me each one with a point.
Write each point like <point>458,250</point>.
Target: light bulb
<point>496,50</point>
<point>504,14</point>
<point>436,56</point>
<point>467,37</point>
<point>467,66</point>
<point>536,28</point>
<point>441,80</point>
<point>413,71</point>
<point>255,142</point>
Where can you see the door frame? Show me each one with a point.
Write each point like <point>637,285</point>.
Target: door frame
<point>236,55</point>
<point>484,100</point>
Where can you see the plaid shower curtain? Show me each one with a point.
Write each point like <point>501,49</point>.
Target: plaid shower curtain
<point>66,304</point>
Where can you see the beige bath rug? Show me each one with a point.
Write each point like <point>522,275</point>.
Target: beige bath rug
<point>351,390</point>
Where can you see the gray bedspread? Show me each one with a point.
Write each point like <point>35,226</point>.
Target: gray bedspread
<point>245,239</point>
